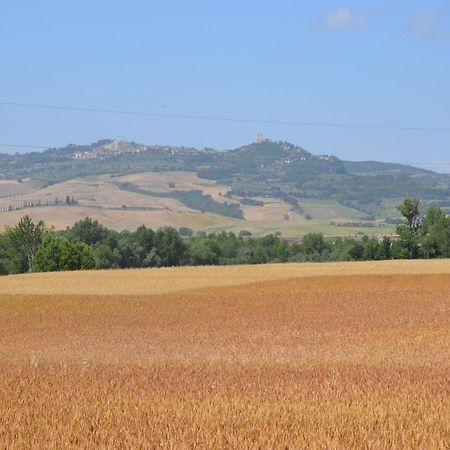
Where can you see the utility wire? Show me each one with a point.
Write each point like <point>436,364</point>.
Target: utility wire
<point>223,119</point>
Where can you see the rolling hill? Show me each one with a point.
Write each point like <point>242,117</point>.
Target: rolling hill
<point>262,187</point>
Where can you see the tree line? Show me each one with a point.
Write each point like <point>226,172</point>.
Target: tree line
<point>32,247</point>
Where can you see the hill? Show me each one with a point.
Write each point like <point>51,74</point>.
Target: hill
<point>265,186</point>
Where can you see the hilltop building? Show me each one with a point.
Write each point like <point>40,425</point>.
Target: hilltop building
<point>260,138</point>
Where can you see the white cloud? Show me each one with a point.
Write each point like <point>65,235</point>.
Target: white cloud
<point>428,25</point>
<point>344,18</point>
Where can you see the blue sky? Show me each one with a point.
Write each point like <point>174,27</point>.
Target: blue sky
<point>382,63</point>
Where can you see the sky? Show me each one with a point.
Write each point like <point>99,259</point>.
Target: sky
<point>272,66</point>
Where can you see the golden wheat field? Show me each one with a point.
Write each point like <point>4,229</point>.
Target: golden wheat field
<point>348,355</point>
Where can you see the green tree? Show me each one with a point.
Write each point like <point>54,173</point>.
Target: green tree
<point>435,234</point>
<point>409,209</point>
<point>201,251</point>
<point>26,237</point>
<point>10,260</point>
<point>105,257</point>
<point>371,249</point>
<point>185,231</point>
<point>340,249</point>
<point>81,257</point>
<point>384,251</point>
<point>5,261</point>
<point>356,251</point>
<point>145,238</point>
<point>89,231</point>
<point>315,247</point>
<point>409,230</point>
<point>56,254</point>
<point>399,251</point>
<point>170,248</point>
<point>229,247</point>
<point>131,253</point>
<point>52,254</point>
<point>270,248</point>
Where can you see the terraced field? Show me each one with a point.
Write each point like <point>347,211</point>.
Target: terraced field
<point>348,355</point>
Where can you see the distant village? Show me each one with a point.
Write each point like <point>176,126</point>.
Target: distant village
<point>121,147</point>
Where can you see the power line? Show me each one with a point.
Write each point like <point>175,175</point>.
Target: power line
<point>224,119</point>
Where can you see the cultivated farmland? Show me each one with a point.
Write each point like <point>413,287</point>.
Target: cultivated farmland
<point>104,198</point>
<point>348,355</point>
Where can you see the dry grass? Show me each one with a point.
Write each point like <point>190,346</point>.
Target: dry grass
<point>238,357</point>
<point>272,214</point>
<point>65,216</point>
<point>330,210</point>
<point>103,191</point>
<point>95,191</point>
<point>184,181</point>
<point>12,187</point>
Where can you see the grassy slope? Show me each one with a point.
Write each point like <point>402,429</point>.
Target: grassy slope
<point>12,188</point>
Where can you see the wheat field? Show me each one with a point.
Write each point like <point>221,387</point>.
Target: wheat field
<point>348,355</point>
